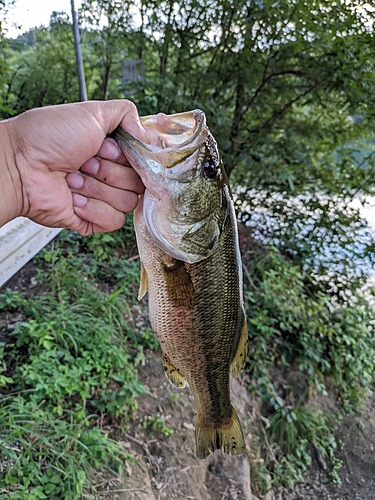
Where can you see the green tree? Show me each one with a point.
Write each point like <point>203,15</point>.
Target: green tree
<point>289,91</point>
<point>288,88</point>
<point>40,68</point>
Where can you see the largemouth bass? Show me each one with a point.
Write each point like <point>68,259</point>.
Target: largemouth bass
<point>191,266</point>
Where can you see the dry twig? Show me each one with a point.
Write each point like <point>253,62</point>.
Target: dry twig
<point>225,493</point>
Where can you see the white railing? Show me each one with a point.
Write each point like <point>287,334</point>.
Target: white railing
<point>20,240</point>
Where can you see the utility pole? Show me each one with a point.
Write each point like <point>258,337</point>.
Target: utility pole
<point>77,44</point>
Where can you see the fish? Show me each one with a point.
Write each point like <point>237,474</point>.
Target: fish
<point>187,237</point>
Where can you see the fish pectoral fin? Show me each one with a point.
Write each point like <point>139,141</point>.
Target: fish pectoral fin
<point>180,287</point>
<point>239,360</point>
<point>228,437</point>
<point>174,375</point>
<point>143,283</point>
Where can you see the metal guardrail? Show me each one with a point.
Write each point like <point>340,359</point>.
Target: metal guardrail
<point>20,240</point>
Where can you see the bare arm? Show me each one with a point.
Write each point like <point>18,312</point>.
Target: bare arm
<point>58,168</point>
<point>10,182</point>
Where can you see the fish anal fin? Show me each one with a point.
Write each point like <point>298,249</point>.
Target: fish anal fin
<point>228,437</point>
<point>239,360</point>
<point>143,284</point>
<point>174,375</point>
<point>180,287</point>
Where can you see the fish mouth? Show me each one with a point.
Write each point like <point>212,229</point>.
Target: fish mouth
<point>173,139</point>
<point>173,131</point>
<point>168,165</point>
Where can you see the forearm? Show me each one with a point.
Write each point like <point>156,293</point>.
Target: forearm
<point>10,181</point>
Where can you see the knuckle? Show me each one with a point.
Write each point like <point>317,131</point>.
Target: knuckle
<point>96,188</point>
<point>132,107</point>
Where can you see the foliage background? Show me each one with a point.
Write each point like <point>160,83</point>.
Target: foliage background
<point>288,88</point>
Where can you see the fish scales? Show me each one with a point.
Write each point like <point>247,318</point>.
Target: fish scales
<point>195,303</point>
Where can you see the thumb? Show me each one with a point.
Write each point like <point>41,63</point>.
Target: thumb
<point>123,113</point>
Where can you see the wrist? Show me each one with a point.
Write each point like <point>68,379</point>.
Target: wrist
<point>11,192</point>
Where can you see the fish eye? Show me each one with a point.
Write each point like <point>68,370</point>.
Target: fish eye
<point>211,167</point>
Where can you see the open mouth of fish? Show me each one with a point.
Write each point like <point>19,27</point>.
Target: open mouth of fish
<point>169,131</point>
<point>181,170</point>
<point>175,141</point>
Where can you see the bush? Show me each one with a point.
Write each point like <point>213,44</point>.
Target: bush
<point>67,369</point>
<point>302,341</point>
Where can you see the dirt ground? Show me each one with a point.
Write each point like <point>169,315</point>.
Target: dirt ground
<point>357,437</point>
<point>166,468</point>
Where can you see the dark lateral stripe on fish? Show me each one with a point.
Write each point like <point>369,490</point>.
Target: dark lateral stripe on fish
<point>191,264</point>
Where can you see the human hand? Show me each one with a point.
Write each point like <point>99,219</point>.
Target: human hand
<point>51,144</point>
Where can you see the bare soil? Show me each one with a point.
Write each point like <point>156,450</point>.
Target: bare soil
<point>166,467</point>
<point>356,435</point>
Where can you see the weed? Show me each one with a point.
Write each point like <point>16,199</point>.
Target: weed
<point>299,329</point>
<point>11,300</point>
<point>149,339</point>
<point>67,367</point>
<point>174,397</point>
<point>156,424</point>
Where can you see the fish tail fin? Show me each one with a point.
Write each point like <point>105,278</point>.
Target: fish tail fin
<point>228,437</point>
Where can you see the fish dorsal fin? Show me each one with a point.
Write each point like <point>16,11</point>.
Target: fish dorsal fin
<point>239,360</point>
<point>174,375</point>
<point>143,283</point>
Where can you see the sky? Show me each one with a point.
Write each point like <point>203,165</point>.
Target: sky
<point>27,14</point>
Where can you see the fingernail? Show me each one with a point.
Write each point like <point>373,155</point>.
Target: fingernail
<point>137,130</point>
<point>79,200</point>
<point>142,133</point>
<point>109,150</point>
<point>91,166</point>
<point>75,180</point>
<point>112,151</point>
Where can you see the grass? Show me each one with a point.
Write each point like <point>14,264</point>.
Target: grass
<point>303,344</point>
<point>69,368</point>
